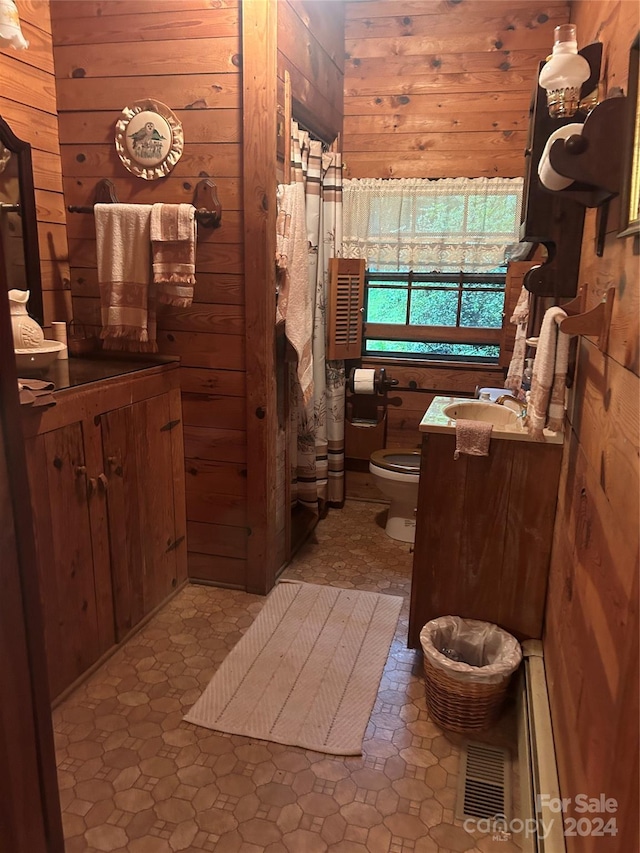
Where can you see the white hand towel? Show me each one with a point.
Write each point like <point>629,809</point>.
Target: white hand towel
<point>546,401</point>
<point>472,438</point>
<point>520,317</point>
<point>124,263</point>
<point>294,298</point>
<point>173,246</point>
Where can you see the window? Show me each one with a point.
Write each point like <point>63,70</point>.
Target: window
<point>434,315</point>
<point>435,255</point>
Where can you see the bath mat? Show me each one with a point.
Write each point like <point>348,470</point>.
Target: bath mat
<point>307,671</point>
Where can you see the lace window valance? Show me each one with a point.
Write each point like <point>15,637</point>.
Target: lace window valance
<point>441,225</point>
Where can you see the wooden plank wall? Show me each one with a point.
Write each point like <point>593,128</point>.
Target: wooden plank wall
<point>591,637</point>
<point>311,49</point>
<point>28,105</point>
<point>437,89</point>
<point>187,54</point>
<point>259,50</point>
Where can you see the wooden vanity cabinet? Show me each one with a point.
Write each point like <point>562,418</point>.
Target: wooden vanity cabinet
<point>483,534</point>
<point>106,475</point>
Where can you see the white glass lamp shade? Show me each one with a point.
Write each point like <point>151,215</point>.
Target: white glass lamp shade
<point>564,73</point>
<point>10,32</point>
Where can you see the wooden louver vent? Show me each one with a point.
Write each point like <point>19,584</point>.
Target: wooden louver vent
<point>346,295</point>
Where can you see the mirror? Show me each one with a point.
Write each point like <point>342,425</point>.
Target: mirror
<point>18,222</point>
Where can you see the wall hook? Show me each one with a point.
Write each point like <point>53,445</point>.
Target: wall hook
<point>595,322</point>
<point>207,204</point>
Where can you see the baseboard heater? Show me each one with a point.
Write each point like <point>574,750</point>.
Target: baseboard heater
<point>543,830</point>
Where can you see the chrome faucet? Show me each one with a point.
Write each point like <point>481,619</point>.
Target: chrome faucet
<point>523,406</point>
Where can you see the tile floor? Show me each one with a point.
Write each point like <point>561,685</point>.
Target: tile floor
<point>134,777</point>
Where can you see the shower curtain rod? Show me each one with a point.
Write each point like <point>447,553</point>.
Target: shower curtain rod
<point>315,136</point>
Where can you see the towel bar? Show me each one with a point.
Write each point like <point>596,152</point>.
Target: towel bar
<point>205,201</point>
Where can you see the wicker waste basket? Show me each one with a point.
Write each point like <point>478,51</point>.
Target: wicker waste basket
<point>466,695</point>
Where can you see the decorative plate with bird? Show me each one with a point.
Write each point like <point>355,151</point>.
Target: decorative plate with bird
<point>149,139</point>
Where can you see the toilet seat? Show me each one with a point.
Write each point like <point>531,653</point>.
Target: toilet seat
<point>396,463</point>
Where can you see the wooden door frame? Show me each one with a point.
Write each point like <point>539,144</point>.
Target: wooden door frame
<point>30,819</point>
<point>259,123</point>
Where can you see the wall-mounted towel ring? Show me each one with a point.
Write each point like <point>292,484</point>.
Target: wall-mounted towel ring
<point>205,201</point>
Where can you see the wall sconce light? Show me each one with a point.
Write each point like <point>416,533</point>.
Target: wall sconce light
<point>10,31</point>
<point>564,73</point>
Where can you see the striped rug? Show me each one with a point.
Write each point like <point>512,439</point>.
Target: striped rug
<point>307,671</point>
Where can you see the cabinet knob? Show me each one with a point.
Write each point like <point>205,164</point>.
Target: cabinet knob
<point>92,485</point>
<point>103,482</point>
<point>111,461</point>
<point>80,470</point>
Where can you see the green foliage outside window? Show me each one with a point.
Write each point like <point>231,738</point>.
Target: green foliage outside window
<point>444,300</point>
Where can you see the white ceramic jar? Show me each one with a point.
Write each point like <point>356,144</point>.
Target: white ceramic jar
<point>27,334</point>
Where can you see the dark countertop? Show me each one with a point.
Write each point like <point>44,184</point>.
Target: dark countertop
<point>72,372</point>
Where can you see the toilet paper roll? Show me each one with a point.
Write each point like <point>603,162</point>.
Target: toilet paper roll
<point>59,333</point>
<point>551,179</point>
<point>364,381</point>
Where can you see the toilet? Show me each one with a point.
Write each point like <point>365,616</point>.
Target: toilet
<point>397,474</point>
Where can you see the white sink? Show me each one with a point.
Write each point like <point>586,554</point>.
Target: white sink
<point>490,413</point>
<point>506,422</point>
<point>38,358</point>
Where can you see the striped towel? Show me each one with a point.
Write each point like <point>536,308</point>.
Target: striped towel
<point>173,246</point>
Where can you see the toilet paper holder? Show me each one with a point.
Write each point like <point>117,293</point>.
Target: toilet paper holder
<point>374,381</point>
<point>365,427</point>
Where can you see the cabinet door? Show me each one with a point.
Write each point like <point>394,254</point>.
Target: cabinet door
<point>146,527</point>
<point>484,533</point>
<point>61,496</point>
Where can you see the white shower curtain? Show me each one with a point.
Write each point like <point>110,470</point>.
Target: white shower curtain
<point>317,429</point>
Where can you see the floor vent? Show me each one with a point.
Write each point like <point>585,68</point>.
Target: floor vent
<point>484,789</point>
